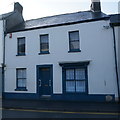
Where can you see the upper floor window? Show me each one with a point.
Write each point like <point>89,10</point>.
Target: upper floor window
<point>21,78</point>
<point>44,44</point>
<point>21,46</point>
<point>74,41</point>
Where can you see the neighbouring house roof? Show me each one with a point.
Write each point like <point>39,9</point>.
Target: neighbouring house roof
<point>4,16</point>
<point>115,20</point>
<point>58,20</point>
<point>14,18</point>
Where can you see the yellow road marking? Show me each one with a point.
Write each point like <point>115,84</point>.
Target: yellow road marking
<point>65,112</point>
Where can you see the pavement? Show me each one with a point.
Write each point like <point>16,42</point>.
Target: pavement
<point>62,105</point>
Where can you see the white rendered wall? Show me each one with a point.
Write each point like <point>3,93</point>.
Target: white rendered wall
<point>96,44</point>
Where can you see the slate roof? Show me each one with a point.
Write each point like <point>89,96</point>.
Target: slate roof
<point>115,19</point>
<point>12,19</point>
<point>3,16</point>
<point>57,20</point>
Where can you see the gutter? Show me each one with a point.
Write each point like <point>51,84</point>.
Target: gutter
<point>116,62</point>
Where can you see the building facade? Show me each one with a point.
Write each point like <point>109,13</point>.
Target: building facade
<point>64,57</point>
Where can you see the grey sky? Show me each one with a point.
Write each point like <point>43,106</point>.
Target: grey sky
<point>41,8</point>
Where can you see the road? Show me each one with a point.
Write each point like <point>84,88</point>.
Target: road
<point>31,113</point>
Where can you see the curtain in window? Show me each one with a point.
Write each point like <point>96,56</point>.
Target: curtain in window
<point>44,43</point>
<point>74,45</point>
<point>70,86</point>
<point>70,74</point>
<point>80,74</point>
<point>74,40</point>
<point>80,86</point>
<point>75,80</point>
<point>21,77</point>
<point>74,35</point>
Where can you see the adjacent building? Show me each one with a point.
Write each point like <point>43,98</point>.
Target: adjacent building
<point>7,21</point>
<point>1,54</point>
<point>64,57</point>
<point>115,24</point>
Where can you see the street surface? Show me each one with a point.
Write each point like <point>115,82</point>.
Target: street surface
<point>31,113</point>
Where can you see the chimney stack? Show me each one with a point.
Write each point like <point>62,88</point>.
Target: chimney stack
<point>18,7</point>
<point>95,6</point>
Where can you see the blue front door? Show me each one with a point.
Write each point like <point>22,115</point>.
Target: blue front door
<point>44,80</point>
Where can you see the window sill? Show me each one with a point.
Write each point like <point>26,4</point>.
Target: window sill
<point>21,89</point>
<point>74,51</point>
<point>42,53</point>
<point>21,55</point>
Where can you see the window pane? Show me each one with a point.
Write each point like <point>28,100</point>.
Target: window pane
<point>20,83</point>
<point>74,35</point>
<point>74,45</point>
<point>21,48</point>
<point>21,45</point>
<point>80,86</point>
<point>21,77</point>
<point>79,74</point>
<point>75,80</point>
<point>19,73</point>
<point>44,43</point>
<point>21,41</point>
<point>44,47</point>
<point>44,38</point>
<point>70,86</point>
<point>24,83</point>
<point>74,40</point>
<point>24,73</point>
<point>70,74</point>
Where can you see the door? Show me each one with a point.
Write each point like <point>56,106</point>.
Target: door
<point>44,80</point>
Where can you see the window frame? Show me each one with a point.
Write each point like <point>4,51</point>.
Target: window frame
<point>44,52</point>
<point>64,78</point>
<point>18,51</point>
<point>17,87</point>
<point>74,50</point>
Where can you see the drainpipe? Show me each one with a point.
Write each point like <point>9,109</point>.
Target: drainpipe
<point>3,65</point>
<point>116,65</point>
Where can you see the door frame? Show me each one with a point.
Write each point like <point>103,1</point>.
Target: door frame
<point>50,66</point>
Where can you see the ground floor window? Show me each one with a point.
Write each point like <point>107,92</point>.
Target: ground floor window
<point>21,78</point>
<point>75,79</point>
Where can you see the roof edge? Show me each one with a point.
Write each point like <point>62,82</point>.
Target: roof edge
<point>63,24</point>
